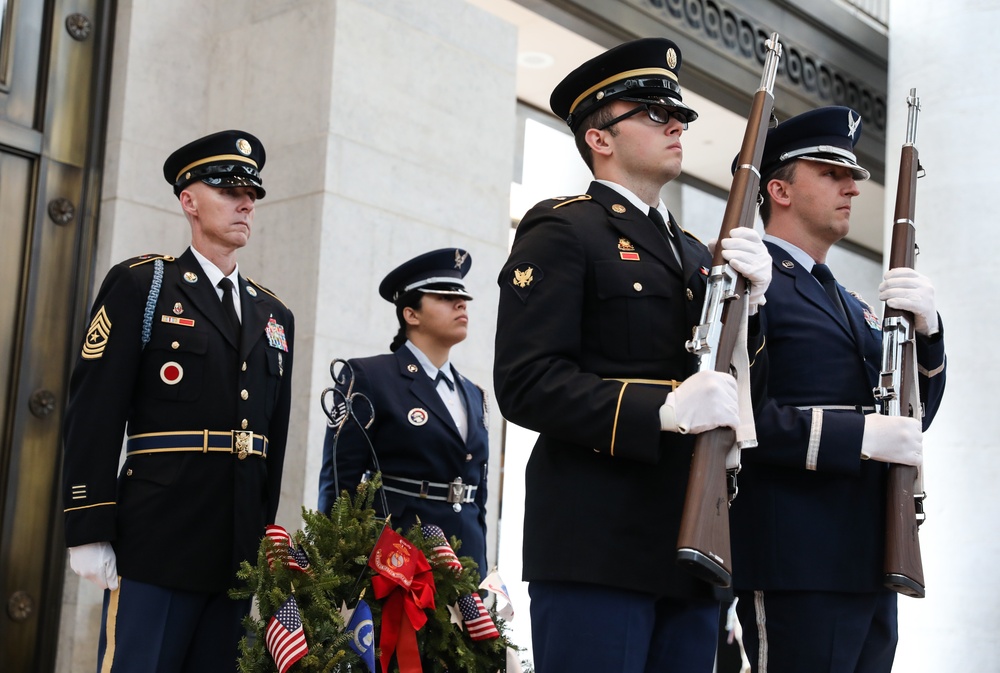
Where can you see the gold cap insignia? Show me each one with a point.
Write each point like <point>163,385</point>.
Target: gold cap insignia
<point>243,146</point>
<point>523,278</point>
<point>97,336</point>
<point>191,277</point>
<point>618,208</point>
<point>671,58</point>
<point>625,245</point>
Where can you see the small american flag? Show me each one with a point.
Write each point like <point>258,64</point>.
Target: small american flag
<point>285,639</point>
<point>442,553</point>
<point>283,551</point>
<point>477,619</point>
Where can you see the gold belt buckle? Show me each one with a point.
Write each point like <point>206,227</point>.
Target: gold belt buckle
<point>243,442</point>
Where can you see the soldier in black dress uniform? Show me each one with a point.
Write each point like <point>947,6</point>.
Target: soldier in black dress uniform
<point>194,361</point>
<point>597,300</point>
<point>430,435</point>
<point>808,526</point>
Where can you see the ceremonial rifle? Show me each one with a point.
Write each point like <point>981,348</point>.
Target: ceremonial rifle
<point>898,391</point>
<point>703,545</point>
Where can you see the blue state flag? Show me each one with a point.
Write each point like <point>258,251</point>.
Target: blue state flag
<point>362,632</point>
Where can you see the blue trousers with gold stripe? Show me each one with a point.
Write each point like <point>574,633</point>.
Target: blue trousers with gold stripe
<point>150,629</point>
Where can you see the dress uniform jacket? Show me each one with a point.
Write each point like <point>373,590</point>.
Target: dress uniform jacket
<point>414,437</point>
<point>593,317</point>
<point>810,514</point>
<point>178,519</point>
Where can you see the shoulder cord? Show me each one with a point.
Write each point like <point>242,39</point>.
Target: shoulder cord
<point>154,294</point>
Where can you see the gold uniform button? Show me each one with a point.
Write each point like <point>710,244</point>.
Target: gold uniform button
<point>468,457</point>
<point>128,472</point>
<point>637,287</point>
<point>690,294</point>
<point>175,345</point>
<point>244,368</point>
<point>244,424</point>
<point>244,394</point>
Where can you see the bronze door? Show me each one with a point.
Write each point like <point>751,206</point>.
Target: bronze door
<point>53,77</point>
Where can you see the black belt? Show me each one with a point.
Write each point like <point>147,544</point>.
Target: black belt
<point>454,492</point>
<point>240,442</point>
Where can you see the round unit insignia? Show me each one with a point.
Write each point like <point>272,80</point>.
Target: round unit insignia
<point>417,416</point>
<point>243,146</point>
<point>191,277</point>
<point>618,208</point>
<point>413,369</point>
<point>252,292</point>
<point>671,58</point>
<point>171,373</point>
<point>788,264</point>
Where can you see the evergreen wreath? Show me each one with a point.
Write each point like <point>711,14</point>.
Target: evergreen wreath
<point>338,547</point>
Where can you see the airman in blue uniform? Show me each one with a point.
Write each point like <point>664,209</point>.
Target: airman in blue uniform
<point>808,526</point>
<point>430,435</point>
<point>200,377</point>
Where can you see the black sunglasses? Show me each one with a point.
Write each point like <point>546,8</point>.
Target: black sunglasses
<point>656,113</point>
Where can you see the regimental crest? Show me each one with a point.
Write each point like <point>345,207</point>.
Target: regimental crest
<point>627,251</point>
<point>97,336</point>
<point>460,259</point>
<point>852,123</point>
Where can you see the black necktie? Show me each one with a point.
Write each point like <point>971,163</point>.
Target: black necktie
<point>229,306</point>
<point>825,277</point>
<point>661,226</point>
<point>447,381</point>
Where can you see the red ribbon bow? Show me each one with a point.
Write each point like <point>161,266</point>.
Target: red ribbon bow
<point>404,576</point>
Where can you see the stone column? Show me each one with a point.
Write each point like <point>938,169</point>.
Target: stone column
<point>389,130</point>
<point>948,53</point>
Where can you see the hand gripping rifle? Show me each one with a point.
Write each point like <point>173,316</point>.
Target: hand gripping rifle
<point>898,391</point>
<point>703,543</point>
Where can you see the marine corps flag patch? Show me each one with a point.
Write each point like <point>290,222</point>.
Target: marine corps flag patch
<point>97,336</point>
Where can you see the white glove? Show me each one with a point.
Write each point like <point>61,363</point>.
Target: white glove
<point>907,290</point>
<point>745,252</point>
<point>704,401</point>
<point>95,562</point>
<point>893,439</point>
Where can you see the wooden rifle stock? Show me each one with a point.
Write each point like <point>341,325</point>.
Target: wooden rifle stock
<point>703,545</point>
<point>898,391</point>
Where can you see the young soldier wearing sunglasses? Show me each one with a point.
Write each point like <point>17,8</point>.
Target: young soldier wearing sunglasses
<point>599,295</point>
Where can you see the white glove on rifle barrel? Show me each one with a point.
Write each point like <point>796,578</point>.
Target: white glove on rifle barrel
<point>95,562</point>
<point>907,290</point>
<point>893,439</point>
<point>704,401</point>
<point>746,253</point>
